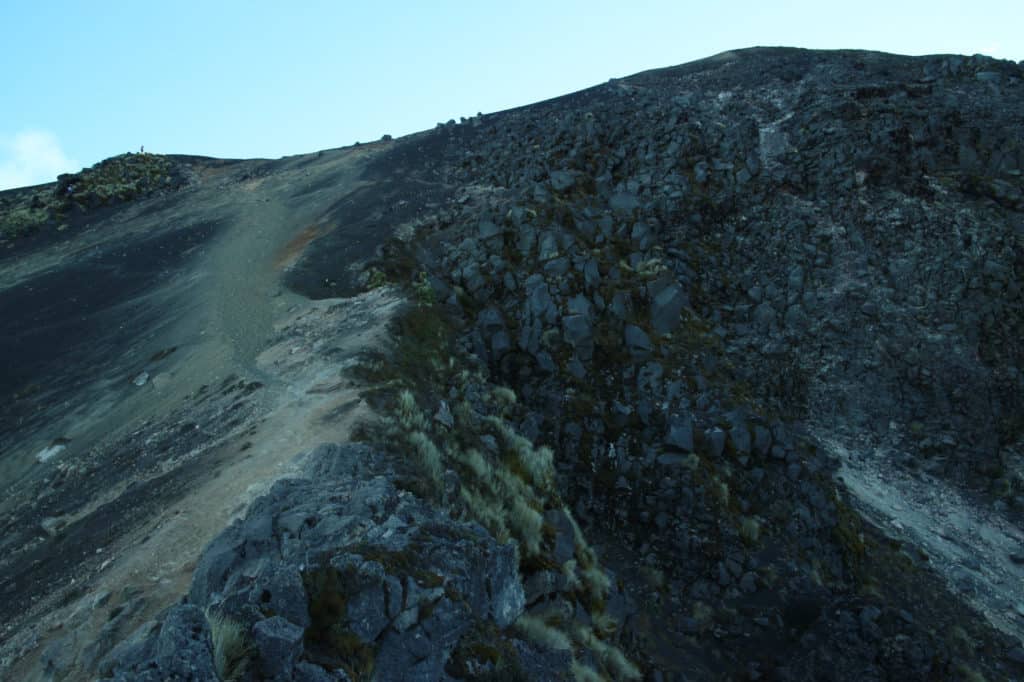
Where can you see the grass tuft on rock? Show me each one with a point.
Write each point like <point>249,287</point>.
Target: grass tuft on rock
<point>231,647</point>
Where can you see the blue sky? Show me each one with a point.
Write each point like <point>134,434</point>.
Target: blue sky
<point>83,81</point>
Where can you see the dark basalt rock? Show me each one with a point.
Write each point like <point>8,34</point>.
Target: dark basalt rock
<point>338,573</point>
<point>778,230</point>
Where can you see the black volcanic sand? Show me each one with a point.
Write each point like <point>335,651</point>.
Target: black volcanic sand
<point>321,273</point>
<point>185,288</point>
<point>66,558</point>
<point>67,319</point>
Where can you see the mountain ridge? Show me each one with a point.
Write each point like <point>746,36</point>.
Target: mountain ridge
<point>700,312</point>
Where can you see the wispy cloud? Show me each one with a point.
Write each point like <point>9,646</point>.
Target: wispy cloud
<point>31,157</point>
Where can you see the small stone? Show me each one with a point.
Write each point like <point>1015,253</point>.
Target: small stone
<point>444,416</point>
<point>637,341</point>
<point>406,619</point>
<point>641,235</point>
<point>690,461</point>
<point>101,599</point>
<point>762,440</point>
<point>621,305</point>
<point>561,180</point>
<point>367,612</point>
<point>51,525</point>
<point>579,334</point>
<point>748,583</point>
<point>680,433</point>
<point>548,247</point>
<point>576,368</point>
<point>716,438</point>
<point>764,316</point>
<point>50,452</point>
<point>739,436</point>
<point>580,305</point>
<point>308,672</point>
<point>666,308</point>
<point>488,230</point>
<point>279,644</point>
<point>724,579</point>
<point>557,267</point>
<point>689,625</point>
<point>869,614</point>
<point>625,203</point>
<point>795,280</point>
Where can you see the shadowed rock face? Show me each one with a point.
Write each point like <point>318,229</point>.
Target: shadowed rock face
<point>805,258</point>
<point>764,308</point>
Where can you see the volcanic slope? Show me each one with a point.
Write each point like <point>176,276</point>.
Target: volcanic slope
<point>727,353</point>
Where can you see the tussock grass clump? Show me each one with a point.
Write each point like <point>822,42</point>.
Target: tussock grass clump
<point>536,463</point>
<point>969,674</point>
<point>490,515</point>
<point>610,656</point>
<point>231,648</point>
<point>555,613</point>
<point>701,612</point>
<point>374,278</point>
<point>597,581</point>
<point>604,623</point>
<point>504,397</point>
<point>528,524</point>
<point>409,415</point>
<point>691,462</point>
<point>720,492</point>
<point>572,578</point>
<point>429,456</point>
<point>539,464</point>
<point>584,673</point>
<point>959,641</point>
<point>584,553</point>
<point>539,632</point>
<point>750,530</point>
<point>418,358</point>
<point>507,481</point>
<point>422,289</point>
<point>478,465</point>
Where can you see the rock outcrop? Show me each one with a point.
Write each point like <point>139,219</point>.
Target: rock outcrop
<point>333,576</point>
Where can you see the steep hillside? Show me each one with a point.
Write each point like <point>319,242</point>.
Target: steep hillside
<point>713,372</point>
